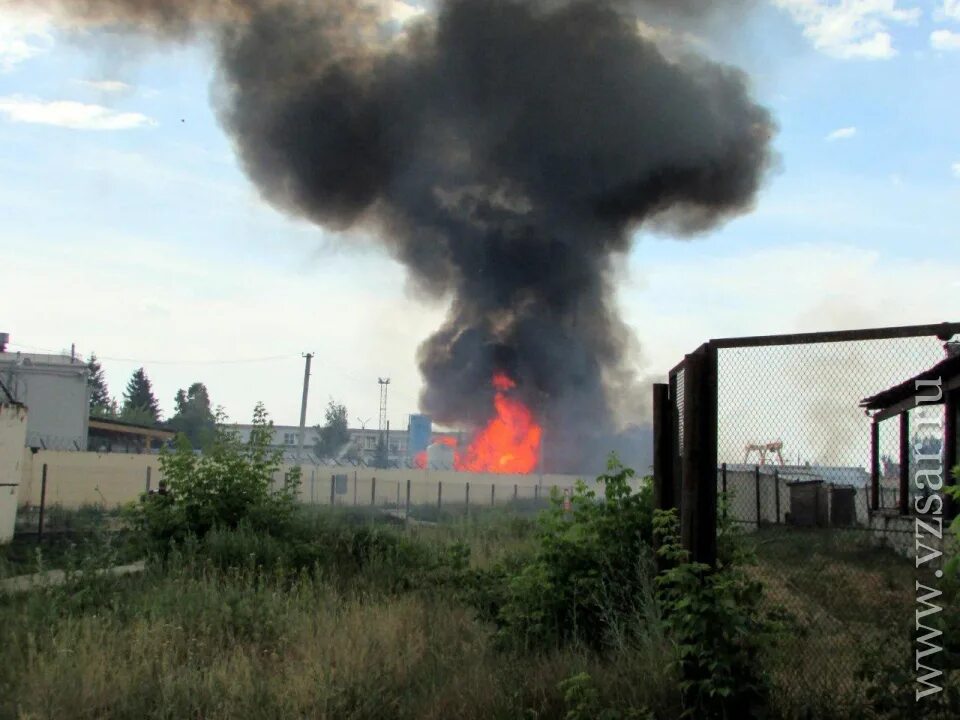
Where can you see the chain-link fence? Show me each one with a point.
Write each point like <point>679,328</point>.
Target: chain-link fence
<point>816,485</point>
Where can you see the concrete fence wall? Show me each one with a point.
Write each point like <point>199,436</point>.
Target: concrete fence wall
<point>75,479</point>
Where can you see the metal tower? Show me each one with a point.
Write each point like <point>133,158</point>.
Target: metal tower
<point>384,385</point>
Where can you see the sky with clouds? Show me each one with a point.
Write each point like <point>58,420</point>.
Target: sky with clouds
<point>130,230</point>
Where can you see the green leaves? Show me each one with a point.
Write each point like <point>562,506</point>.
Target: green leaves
<point>229,484</point>
<point>588,573</point>
<point>714,618</point>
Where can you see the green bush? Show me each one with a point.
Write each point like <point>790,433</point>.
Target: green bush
<point>588,569</point>
<point>230,484</point>
<point>713,617</point>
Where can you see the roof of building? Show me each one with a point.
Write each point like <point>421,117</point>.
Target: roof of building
<point>946,370</point>
<point>129,428</point>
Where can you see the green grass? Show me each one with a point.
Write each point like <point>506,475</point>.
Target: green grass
<point>192,638</point>
<point>353,617</point>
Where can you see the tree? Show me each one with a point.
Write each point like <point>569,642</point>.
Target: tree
<point>333,433</point>
<point>101,404</point>
<point>194,415</point>
<point>139,403</point>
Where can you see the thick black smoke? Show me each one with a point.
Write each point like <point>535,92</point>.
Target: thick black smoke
<point>504,151</point>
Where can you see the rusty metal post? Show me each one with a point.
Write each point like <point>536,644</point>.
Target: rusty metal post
<point>903,502</point>
<point>875,465</point>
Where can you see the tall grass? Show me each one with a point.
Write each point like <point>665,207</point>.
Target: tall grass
<point>194,639</point>
<point>355,616</point>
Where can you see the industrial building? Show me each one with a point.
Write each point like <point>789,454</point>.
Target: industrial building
<point>55,389</point>
<point>402,444</point>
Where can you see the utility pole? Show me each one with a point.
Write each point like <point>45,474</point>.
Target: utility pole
<point>303,405</point>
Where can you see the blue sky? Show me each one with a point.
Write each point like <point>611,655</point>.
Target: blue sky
<point>129,229</point>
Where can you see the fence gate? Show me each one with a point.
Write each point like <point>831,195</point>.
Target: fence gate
<point>782,439</point>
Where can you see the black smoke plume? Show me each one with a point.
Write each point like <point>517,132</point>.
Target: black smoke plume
<point>504,151</point>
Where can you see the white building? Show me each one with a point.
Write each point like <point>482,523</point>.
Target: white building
<point>55,391</point>
<point>363,441</point>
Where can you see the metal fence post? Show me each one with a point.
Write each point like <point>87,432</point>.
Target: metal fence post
<point>354,488</point>
<point>951,410</point>
<point>43,501</point>
<point>333,488</point>
<point>439,493</point>
<point>468,497</point>
<point>776,492</point>
<point>514,492</point>
<point>698,504</point>
<point>875,465</point>
<point>148,480</point>
<point>904,499</point>
<point>373,490</point>
<point>408,497</point>
<point>398,496</point>
<point>493,491</point>
<point>663,485</point>
<point>723,486</point>
<point>756,478</point>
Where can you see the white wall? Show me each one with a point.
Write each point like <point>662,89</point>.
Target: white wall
<point>13,430</point>
<point>56,394</point>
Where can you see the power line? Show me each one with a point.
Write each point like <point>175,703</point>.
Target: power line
<point>237,361</point>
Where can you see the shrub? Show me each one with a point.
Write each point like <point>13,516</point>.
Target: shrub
<point>713,616</point>
<point>228,485</point>
<point>587,569</point>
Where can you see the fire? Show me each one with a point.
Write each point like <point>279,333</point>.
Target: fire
<point>420,459</point>
<point>510,442</point>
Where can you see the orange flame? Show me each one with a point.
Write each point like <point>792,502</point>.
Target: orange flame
<point>420,459</point>
<point>510,442</point>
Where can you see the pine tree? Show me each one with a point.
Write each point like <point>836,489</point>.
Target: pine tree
<point>101,404</point>
<point>194,415</point>
<point>139,403</point>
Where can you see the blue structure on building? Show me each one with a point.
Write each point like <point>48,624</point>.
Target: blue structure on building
<point>419,433</point>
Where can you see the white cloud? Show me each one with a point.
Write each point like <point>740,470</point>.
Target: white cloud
<point>23,35</point>
<point>69,114</point>
<point>844,133</point>
<point>949,9</point>
<point>106,86</point>
<point>852,28</point>
<point>956,169</point>
<point>945,40</point>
